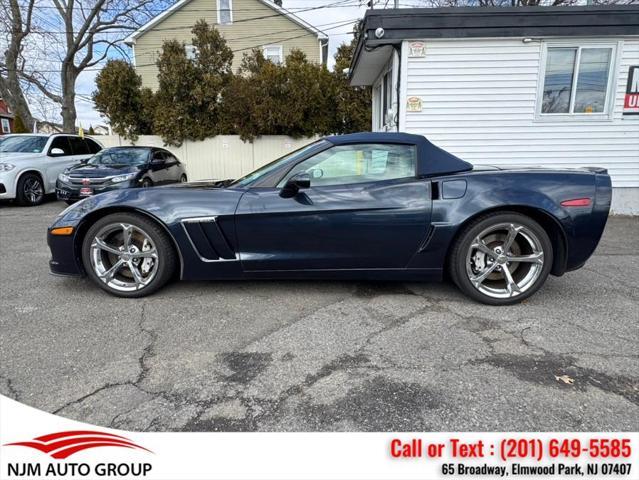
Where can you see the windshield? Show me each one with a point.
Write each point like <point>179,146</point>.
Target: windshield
<point>22,144</point>
<point>269,167</point>
<point>120,156</point>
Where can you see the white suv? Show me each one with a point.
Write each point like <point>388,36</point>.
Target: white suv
<point>30,163</point>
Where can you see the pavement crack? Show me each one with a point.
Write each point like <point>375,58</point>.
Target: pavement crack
<point>11,387</point>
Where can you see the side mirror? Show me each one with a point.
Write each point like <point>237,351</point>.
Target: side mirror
<point>56,152</point>
<point>294,184</point>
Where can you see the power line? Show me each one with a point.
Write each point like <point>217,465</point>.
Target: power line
<point>336,24</point>
<point>234,51</point>
<point>339,4</point>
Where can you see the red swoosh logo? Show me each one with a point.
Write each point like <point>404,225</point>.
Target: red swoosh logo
<point>61,445</point>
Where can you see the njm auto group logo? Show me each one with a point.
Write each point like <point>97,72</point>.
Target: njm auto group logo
<point>60,446</point>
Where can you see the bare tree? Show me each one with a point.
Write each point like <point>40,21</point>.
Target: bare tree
<point>16,26</point>
<point>78,36</point>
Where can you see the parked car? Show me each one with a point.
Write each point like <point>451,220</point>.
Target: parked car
<point>387,206</point>
<point>30,163</point>
<point>117,168</point>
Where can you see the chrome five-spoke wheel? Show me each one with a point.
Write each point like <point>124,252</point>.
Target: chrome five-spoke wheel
<point>504,260</point>
<point>501,258</point>
<point>124,257</point>
<point>128,255</point>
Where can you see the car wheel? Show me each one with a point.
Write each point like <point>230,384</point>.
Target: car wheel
<point>183,179</point>
<point>147,183</point>
<point>501,258</point>
<point>30,191</point>
<point>128,255</point>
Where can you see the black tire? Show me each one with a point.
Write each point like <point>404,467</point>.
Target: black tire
<point>183,178</point>
<point>30,190</point>
<point>460,253</point>
<point>146,183</point>
<point>167,261</point>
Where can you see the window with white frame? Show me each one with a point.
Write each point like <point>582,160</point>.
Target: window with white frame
<point>577,80</point>
<point>273,53</point>
<point>191,51</point>
<point>385,93</point>
<point>224,12</point>
<point>6,126</point>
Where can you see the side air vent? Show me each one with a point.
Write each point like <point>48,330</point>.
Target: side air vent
<point>207,239</point>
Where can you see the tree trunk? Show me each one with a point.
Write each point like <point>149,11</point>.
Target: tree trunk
<point>11,90</point>
<point>68,112</point>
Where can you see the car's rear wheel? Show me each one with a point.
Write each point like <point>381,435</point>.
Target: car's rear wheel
<point>30,190</point>
<point>183,179</point>
<point>128,255</point>
<point>501,258</point>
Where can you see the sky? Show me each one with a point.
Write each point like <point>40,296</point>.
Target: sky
<point>332,17</point>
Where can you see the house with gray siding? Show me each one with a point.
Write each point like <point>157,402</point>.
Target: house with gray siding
<point>534,86</point>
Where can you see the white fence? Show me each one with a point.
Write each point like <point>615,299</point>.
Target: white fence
<point>221,157</point>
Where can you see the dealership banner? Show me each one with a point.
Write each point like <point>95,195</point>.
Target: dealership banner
<point>35,444</point>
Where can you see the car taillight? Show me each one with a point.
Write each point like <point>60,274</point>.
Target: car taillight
<point>576,202</point>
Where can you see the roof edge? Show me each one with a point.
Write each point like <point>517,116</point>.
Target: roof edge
<point>130,40</point>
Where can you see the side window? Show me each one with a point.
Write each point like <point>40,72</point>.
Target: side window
<point>62,143</point>
<point>159,157</point>
<point>347,164</point>
<point>78,146</point>
<point>94,147</point>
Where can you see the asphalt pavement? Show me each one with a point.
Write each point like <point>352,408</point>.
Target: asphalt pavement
<point>334,356</point>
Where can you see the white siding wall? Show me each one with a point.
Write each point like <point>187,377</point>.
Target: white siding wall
<point>479,102</point>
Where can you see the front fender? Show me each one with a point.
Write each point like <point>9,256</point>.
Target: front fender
<point>166,205</point>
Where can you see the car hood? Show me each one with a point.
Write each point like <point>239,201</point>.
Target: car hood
<point>86,170</point>
<point>19,157</point>
<point>169,204</point>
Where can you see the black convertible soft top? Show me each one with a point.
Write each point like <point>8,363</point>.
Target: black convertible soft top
<point>431,160</point>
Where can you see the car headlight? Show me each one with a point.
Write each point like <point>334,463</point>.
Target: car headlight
<point>64,178</point>
<point>123,178</point>
<point>6,167</point>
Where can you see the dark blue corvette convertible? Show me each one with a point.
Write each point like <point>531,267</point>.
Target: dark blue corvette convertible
<point>387,206</point>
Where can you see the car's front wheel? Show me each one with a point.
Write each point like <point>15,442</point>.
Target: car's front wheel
<point>501,258</point>
<point>128,255</point>
<point>30,190</point>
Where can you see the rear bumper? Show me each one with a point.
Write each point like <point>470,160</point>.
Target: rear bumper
<point>588,224</point>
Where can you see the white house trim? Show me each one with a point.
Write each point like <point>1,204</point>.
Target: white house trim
<point>130,40</point>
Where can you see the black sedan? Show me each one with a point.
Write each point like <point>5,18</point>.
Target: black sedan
<point>117,168</point>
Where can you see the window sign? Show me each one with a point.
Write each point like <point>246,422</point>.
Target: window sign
<point>631,100</point>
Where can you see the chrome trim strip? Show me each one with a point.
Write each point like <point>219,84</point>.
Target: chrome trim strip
<point>199,219</point>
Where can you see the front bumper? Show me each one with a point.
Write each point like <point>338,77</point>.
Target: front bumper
<point>7,185</point>
<point>68,191</point>
<point>65,260</point>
